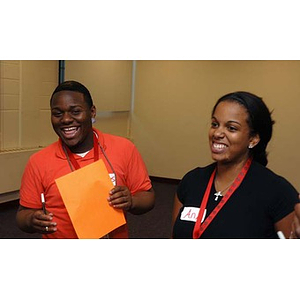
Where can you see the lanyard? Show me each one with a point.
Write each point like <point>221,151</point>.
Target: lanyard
<point>199,228</point>
<point>72,158</point>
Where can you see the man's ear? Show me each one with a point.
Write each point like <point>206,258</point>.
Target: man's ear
<point>93,111</point>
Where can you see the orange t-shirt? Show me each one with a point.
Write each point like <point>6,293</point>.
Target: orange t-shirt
<point>51,163</point>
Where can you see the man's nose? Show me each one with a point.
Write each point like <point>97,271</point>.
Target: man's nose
<point>66,118</point>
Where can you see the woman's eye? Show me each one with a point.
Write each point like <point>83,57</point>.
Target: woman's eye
<point>232,128</point>
<point>214,124</point>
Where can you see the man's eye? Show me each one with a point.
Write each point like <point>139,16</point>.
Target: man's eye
<point>57,114</point>
<point>76,112</point>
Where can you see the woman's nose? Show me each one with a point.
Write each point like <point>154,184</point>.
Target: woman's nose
<point>219,133</point>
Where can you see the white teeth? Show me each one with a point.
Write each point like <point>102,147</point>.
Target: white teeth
<point>69,129</point>
<point>219,146</point>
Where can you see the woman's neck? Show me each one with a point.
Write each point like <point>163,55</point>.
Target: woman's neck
<point>227,172</point>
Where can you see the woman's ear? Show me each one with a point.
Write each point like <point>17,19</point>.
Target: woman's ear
<point>254,141</point>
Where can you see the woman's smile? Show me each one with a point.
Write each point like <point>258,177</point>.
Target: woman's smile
<point>218,147</point>
<point>229,134</point>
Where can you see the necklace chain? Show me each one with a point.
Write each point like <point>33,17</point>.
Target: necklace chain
<point>220,193</point>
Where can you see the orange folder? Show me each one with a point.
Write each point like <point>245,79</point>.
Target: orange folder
<point>84,193</point>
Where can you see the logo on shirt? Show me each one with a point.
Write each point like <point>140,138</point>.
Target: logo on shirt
<point>191,214</point>
<point>113,178</point>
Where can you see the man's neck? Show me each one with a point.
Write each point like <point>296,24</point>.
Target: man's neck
<point>85,145</point>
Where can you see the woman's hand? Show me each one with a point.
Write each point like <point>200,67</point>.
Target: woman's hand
<point>295,234</point>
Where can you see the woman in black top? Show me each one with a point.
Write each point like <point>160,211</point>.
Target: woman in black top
<point>237,196</point>
<point>295,234</point>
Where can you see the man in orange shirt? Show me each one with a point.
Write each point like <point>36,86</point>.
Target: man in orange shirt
<point>79,144</point>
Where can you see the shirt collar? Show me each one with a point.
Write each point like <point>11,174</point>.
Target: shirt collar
<point>60,151</point>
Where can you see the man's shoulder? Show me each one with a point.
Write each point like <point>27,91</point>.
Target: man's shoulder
<point>46,153</point>
<point>113,140</point>
<point>117,138</point>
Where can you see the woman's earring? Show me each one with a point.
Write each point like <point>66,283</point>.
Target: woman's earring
<point>250,146</point>
<point>93,120</point>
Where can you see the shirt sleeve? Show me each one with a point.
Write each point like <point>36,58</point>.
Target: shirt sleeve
<point>285,199</point>
<point>137,178</point>
<point>31,187</point>
<point>183,187</point>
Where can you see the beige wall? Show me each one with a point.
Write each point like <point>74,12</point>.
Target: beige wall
<point>172,106</point>
<point>173,102</point>
<point>25,90</point>
<point>109,83</point>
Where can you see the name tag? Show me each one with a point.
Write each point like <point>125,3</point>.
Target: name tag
<point>191,214</point>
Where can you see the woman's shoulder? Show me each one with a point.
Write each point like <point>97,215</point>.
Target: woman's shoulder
<point>200,172</point>
<point>266,176</point>
<point>264,172</point>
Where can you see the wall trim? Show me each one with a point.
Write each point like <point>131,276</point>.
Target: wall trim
<point>10,196</point>
<point>165,180</point>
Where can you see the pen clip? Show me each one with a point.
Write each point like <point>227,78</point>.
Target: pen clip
<point>42,198</point>
<point>43,203</point>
